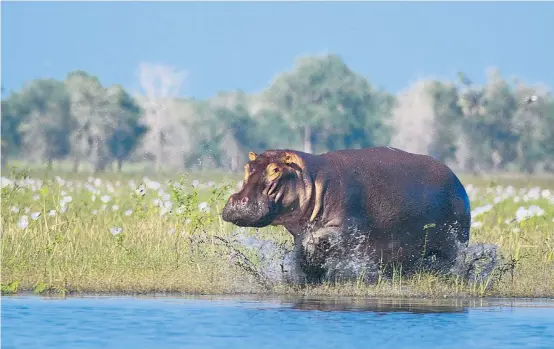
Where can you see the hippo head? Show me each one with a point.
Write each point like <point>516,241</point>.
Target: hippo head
<point>270,189</point>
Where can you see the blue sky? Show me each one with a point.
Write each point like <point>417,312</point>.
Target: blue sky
<point>243,45</point>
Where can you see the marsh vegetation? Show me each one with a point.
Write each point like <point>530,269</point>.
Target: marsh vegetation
<point>132,234</point>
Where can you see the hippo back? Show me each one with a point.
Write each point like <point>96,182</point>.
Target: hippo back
<point>395,186</point>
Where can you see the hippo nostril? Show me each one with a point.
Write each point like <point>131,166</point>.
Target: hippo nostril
<point>244,200</point>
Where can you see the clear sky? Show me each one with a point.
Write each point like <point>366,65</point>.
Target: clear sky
<point>243,45</point>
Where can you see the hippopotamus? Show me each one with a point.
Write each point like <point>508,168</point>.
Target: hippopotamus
<point>353,207</point>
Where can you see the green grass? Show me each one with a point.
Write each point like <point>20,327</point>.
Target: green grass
<point>182,252</point>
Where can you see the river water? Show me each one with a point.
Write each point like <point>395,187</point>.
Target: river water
<point>243,322</point>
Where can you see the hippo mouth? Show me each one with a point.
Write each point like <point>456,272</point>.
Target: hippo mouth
<point>249,215</point>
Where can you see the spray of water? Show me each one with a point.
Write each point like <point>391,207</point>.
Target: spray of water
<point>347,257</point>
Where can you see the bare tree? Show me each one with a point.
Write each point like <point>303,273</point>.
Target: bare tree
<point>413,119</point>
<point>167,139</point>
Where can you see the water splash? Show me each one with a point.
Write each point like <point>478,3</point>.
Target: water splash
<point>346,259</point>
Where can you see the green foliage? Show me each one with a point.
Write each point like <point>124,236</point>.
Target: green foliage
<point>11,287</point>
<point>321,104</point>
<point>128,131</point>
<point>43,106</point>
<point>448,120</point>
<point>330,105</point>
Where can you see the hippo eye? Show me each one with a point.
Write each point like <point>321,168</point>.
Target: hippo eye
<point>272,172</point>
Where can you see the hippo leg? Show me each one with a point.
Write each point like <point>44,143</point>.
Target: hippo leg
<point>319,241</point>
<point>314,249</point>
<point>295,273</point>
<point>442,253</point>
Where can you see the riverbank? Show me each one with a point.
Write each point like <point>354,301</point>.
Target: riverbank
<point>140,236</point>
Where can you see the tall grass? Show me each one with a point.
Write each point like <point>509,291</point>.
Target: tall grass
<point>136,235</point>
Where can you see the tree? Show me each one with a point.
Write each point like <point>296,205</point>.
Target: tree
<point>168,138</point>
<point>321,95</point>
<point>489,129</point>
<point>12,115</point>
<point>448,117</point>
<point>533,126</point>
<point>224,131</point>
<point>47,121</point>
<point>547,143</point>
<point>128,131</point>
<point>413,118</point>
<point>88,106</point>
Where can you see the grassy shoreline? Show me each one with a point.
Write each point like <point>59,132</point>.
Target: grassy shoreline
<point>87,235</point>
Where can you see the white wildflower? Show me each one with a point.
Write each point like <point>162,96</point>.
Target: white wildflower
<point>60,181</point>
<point>534,193</point>
<point>480,210</point>
<point>5,182</point>
<point>116,230</point>
<point>35,215</point>
<point>105,198</point>
<point>522,214</point>
<point>23,222</point>
<point>141,191</point>
<point>203,207</point>
<point>128,212</point>
<point>153,185</point>
<point>52,213</point>
<point>536,210</point>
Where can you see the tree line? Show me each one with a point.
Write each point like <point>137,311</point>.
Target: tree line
<point>317,106</point>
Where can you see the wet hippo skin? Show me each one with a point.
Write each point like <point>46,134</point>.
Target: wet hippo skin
<point>349,208</point>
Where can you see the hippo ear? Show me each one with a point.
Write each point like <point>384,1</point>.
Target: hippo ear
<point>252,156</point>
<point>293,160</point>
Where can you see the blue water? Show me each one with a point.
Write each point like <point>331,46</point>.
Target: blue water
<point>130,322</point>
